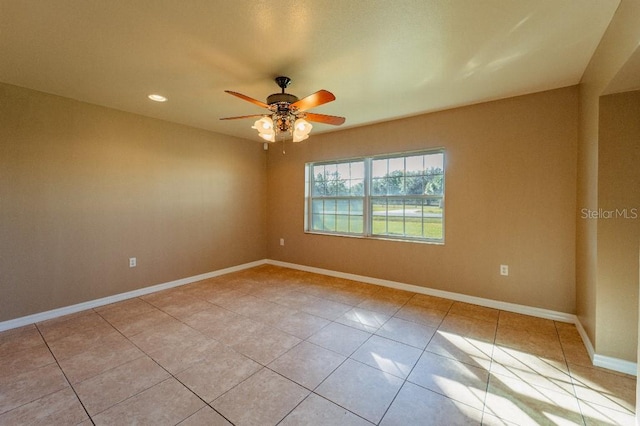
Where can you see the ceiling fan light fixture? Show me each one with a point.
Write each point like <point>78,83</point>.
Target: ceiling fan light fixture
<point>299,138</point>
<point>264,124</point>
<point>269,137</point>
<point>265,129</point>
<point>301,130</point>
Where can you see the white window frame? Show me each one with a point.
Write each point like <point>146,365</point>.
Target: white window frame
<point>368,199</point>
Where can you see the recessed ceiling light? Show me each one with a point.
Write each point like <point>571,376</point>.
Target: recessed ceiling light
<point>157,98</point>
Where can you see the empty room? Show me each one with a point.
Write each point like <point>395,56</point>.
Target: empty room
<point>331,212</point>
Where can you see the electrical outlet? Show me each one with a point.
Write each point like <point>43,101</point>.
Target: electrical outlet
<point>281,241</point>
<point>504,270</point>
<point>132,262</point>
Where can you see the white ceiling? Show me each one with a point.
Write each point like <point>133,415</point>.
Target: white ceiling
<point>381,59</point>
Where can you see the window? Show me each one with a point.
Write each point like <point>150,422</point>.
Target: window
<point>397,196</point>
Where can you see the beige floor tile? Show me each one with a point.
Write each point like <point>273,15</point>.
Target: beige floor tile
<point>178,358</point>
<point>58,408</point>
<point>19,339</point>
<point>207,416</point>
<point>300,324</point>
<point>113,386</point>
<point>121,357</point>
<point>471,351</point>
<point>266,344</point>
<point>604,388</point>
<point>406,332</point>
<point>539,371</point>
<point>546,345</point>
<point>388,355</point>
<point>98,359</point>
<point>81,323</point>
<point>568,332</point>
<point>185,306</point>
<point>207,319</point>
<point>537,363</point>
<point>363,319</point>
<point>295,299</point>
<point>491,420</point>
<point>165,403</point>
<point>327,309</point>
<point>215,375</point>
<point>473,328</point>
<point>459,381</point>
<point>273,290</point>
<point>263,399</point>
<point>137,324</point>
<point>233,329</point>
<point>29,386</point>
<point>394,293</point>
<point>163,336</point>
<point>317,411</point>
<point>527,323</point>
<point>245,304</point>
<point>598,415</point>
<point>25,360</point>
<point>274,313</point>
<point>415,405</point>
<point>474,311</point>
<point>74,344</point>
<point>576,353</point>
<point>339,338</point>
<point>122,311</point>
<point>525,404</point>
<point>345,296</point>
<point>431,302</point>
<point>557,381</point>
<point>307,364</point>
<point>345,387</point>
<point>387,305</point>
<point>225,296</point>
<point>421,314</point>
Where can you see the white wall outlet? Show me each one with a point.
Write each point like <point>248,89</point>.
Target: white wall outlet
<point>281,241</point>
<point>504,270</point>
<point>132,262</point>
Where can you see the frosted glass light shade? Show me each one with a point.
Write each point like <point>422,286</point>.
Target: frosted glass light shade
<point>301,129</point>
<point>264,124</point>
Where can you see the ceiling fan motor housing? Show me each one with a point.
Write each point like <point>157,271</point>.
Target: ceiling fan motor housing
<point>278,98</point>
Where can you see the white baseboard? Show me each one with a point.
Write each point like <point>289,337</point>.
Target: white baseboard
<point>489,303</point>
<point>610,363</point>
<point>54,313</point>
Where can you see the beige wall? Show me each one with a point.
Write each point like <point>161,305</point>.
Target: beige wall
<point>510,199</point>
<point>619,226</point>
<point>619,43</point>
<point>84,188</point>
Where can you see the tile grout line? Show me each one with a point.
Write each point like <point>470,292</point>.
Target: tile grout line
<point>65,375</point>
<point>573,384</point>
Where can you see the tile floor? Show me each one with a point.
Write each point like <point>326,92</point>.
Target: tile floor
<point>271,346</point>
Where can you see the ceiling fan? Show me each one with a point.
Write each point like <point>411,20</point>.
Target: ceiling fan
<point>288,113</point>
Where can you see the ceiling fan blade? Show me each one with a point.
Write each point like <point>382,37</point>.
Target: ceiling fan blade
<point>323,118</point>
<point>243,116</point>
<point>314,100</point>
<point>247,98</point>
